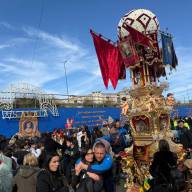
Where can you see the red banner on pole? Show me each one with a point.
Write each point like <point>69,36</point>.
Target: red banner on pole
<point>110,60</point>
<point>139,37</point>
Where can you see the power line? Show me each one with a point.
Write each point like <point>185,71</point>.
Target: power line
<point>37,38</point>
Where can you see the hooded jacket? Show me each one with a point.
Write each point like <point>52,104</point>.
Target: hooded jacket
<point>49,181</point>
<point>26,179</point>
<point>6,175</point>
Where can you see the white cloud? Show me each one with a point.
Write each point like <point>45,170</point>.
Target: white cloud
<point>54,40</point>
<point>180,80</point>
<point>39,59</point>
<point>23,70</point>
<point>4,46</point>
<point>64,50</point>
<point>6,25</point>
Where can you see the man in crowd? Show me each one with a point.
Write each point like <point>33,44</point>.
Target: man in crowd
<point>102,166</point>
<point>184,135</point>
<point>71,154</point>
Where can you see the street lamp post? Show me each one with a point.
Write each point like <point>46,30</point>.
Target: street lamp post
<point>66,78</point>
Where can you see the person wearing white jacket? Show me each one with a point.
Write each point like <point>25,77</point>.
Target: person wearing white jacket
<point>35,149</point>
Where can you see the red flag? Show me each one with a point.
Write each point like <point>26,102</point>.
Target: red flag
<point>101,47</point>
<point>128,52</point>
<point>116,66</point>
<point>138,37</point>
<point>110,60</point>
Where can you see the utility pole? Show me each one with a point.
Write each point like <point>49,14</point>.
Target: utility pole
<point>188,93</point>
<point>64,63</point>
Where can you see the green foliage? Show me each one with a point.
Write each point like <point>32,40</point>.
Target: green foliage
<point>26,103</point>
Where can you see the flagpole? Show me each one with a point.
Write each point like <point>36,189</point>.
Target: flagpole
<point>165,33</point>
<point>109,40</point>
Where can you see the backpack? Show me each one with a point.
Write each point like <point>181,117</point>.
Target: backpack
<point>177,178</point>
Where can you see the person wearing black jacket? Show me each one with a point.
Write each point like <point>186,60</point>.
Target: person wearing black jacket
<point>184,135</point>
<point>49,179</point>
<point>51,145</point>
<point>86,182</point>
<point>71,154</point>
<point>102,166</point>
<point>162,161</point>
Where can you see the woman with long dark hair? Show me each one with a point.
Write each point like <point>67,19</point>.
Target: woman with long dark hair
<point>86,181</point>
<point>49,179</point>
<point>160,168</point>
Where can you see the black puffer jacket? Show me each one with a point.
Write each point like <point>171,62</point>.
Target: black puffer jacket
<point>185,137</point>
<point>51,182</point>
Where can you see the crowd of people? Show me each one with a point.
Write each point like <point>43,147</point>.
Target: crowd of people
<point>80,159</point>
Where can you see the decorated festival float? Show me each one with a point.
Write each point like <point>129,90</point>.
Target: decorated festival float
<point>138,49</point>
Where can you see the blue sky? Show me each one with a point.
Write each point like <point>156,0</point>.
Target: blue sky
<point>32,51</point>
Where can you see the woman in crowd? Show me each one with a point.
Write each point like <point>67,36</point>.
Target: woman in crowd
<point>49,179</point>
<point>87,181</point>
<point>26,177</point>
<point>160,169</point>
